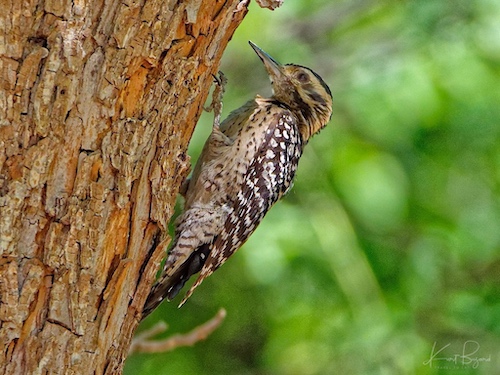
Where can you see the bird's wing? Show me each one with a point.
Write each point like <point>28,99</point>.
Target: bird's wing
<point>268,177</point>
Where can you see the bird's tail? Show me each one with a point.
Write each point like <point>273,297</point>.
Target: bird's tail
<point>169,285</point>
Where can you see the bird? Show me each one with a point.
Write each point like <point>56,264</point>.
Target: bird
<point>247,164</point>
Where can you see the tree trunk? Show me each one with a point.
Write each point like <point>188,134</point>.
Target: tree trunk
<point>98,101</point>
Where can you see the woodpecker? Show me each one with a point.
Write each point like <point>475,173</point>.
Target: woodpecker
<point>247,164</point>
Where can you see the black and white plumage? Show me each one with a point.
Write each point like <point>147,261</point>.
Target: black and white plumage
<point>247,165</point>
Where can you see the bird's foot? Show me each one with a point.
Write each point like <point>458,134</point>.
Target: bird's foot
<point>216,105</point>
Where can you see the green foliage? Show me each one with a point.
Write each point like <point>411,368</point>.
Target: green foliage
<point>389,242</point>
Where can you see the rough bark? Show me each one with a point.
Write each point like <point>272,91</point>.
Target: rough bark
<point>98,101</point>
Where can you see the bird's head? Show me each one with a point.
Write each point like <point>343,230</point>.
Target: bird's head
<point>301,90</point>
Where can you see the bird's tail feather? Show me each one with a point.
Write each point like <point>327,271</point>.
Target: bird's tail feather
<point>167,287</point>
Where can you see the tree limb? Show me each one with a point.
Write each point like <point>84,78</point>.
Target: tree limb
<point>141,343</point>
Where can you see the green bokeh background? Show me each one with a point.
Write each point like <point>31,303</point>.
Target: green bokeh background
<point>389,242</point>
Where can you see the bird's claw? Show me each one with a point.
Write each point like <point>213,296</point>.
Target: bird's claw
<point>216,104</point>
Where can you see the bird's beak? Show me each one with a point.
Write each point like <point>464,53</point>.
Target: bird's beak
<point>272,66</point>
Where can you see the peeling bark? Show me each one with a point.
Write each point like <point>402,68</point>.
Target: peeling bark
<point>98,101</point>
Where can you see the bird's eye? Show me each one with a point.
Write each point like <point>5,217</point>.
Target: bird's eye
<point>303,77</point>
